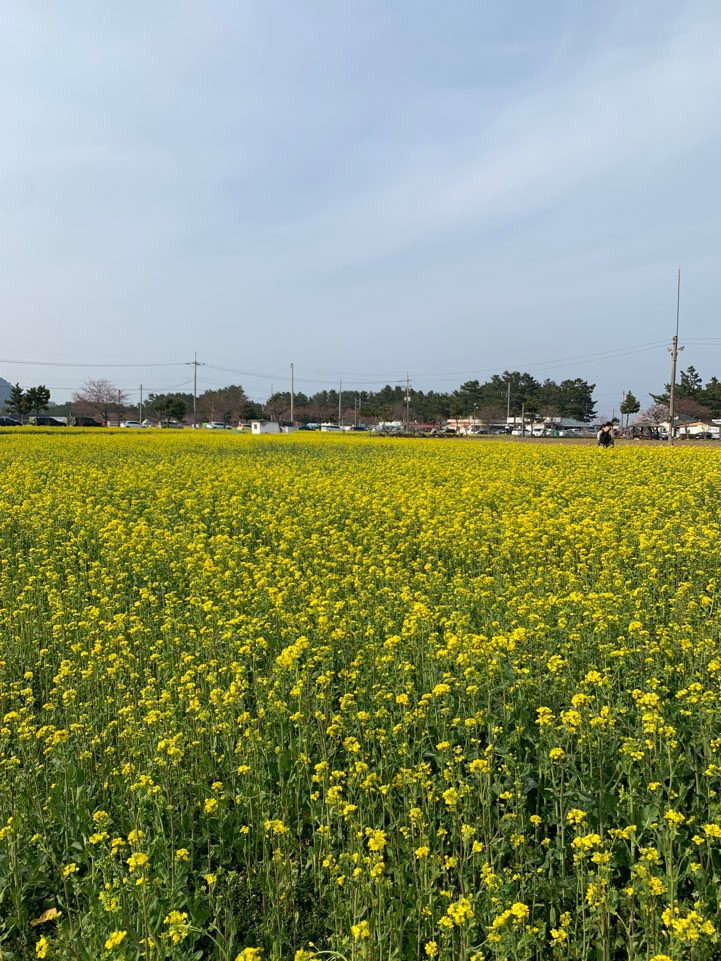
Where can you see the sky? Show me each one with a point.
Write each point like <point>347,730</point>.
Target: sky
<point>367,190</point>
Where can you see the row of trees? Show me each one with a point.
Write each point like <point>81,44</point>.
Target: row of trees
<point>102,400</point>
<point>693,398</point>
<point>33,400</point>
<point>509,393</point>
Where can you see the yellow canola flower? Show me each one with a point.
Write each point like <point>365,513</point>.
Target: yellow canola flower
<point>576,816</point>
<point>178,926</point>
<point>461,911</point>
<point>137,861</point>
<point>360,931</point>
<point>376,839</point>
<point>115,939</point>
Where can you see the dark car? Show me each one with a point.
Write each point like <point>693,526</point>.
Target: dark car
<point>9,422</point>
<point>85,422</point>
<point>44,421</point>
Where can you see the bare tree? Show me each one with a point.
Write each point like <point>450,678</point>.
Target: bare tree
<point>654,416</point>
<point>100,397</point>
<point>492,414</point>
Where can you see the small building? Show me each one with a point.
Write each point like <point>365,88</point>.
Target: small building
<point>264,427</point>
<point>698,428</point>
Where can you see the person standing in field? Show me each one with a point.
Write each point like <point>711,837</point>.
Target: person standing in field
<point>605,435</point>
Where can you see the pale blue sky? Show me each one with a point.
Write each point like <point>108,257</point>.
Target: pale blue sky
<point>362,188</point>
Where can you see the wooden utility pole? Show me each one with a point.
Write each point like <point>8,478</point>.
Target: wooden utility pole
<point>675,350</point>
<point>195,363</point>
<point>292,396</point>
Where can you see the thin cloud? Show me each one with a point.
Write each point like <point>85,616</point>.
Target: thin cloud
<point>607,115</point>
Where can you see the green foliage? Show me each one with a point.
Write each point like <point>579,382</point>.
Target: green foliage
<point>34,399</point>
<point>38,399</point>
<point>17,402</point>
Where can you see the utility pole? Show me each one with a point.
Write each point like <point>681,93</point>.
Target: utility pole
<point>408,401</point>
<point>195,363</point>
<point>292,397</point>
<point>675,350</point>
<point>140,409</point>
<point>340,402</point>
<point>508,401</point>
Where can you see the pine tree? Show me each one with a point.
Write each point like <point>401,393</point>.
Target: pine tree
<point>630,405</point>
<point>17,402</point>
<point>37,399</point>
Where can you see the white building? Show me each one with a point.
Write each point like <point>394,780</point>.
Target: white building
<point>264,427</point>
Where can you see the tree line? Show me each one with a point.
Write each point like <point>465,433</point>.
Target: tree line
<point>512,392</point>
<point>509,393</point>
<point>693,400</point>
<point>102,400</point>
<point>32,400</point>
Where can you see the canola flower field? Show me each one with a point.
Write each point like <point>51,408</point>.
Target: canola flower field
<point>351,698</point>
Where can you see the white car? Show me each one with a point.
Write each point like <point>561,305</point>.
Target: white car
<point>133,424</point>
<point>216,425</point>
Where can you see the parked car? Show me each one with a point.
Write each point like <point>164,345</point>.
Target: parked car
<point>85,422</point>
<point>45,421</point>
<point>9,422</point>
<point>132,424</point>
<point>216,425</point>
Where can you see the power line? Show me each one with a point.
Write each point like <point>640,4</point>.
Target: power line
<point>127,389</point>
<point>62,363</point>
<point>356,380</point>
<point>331,377</point>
